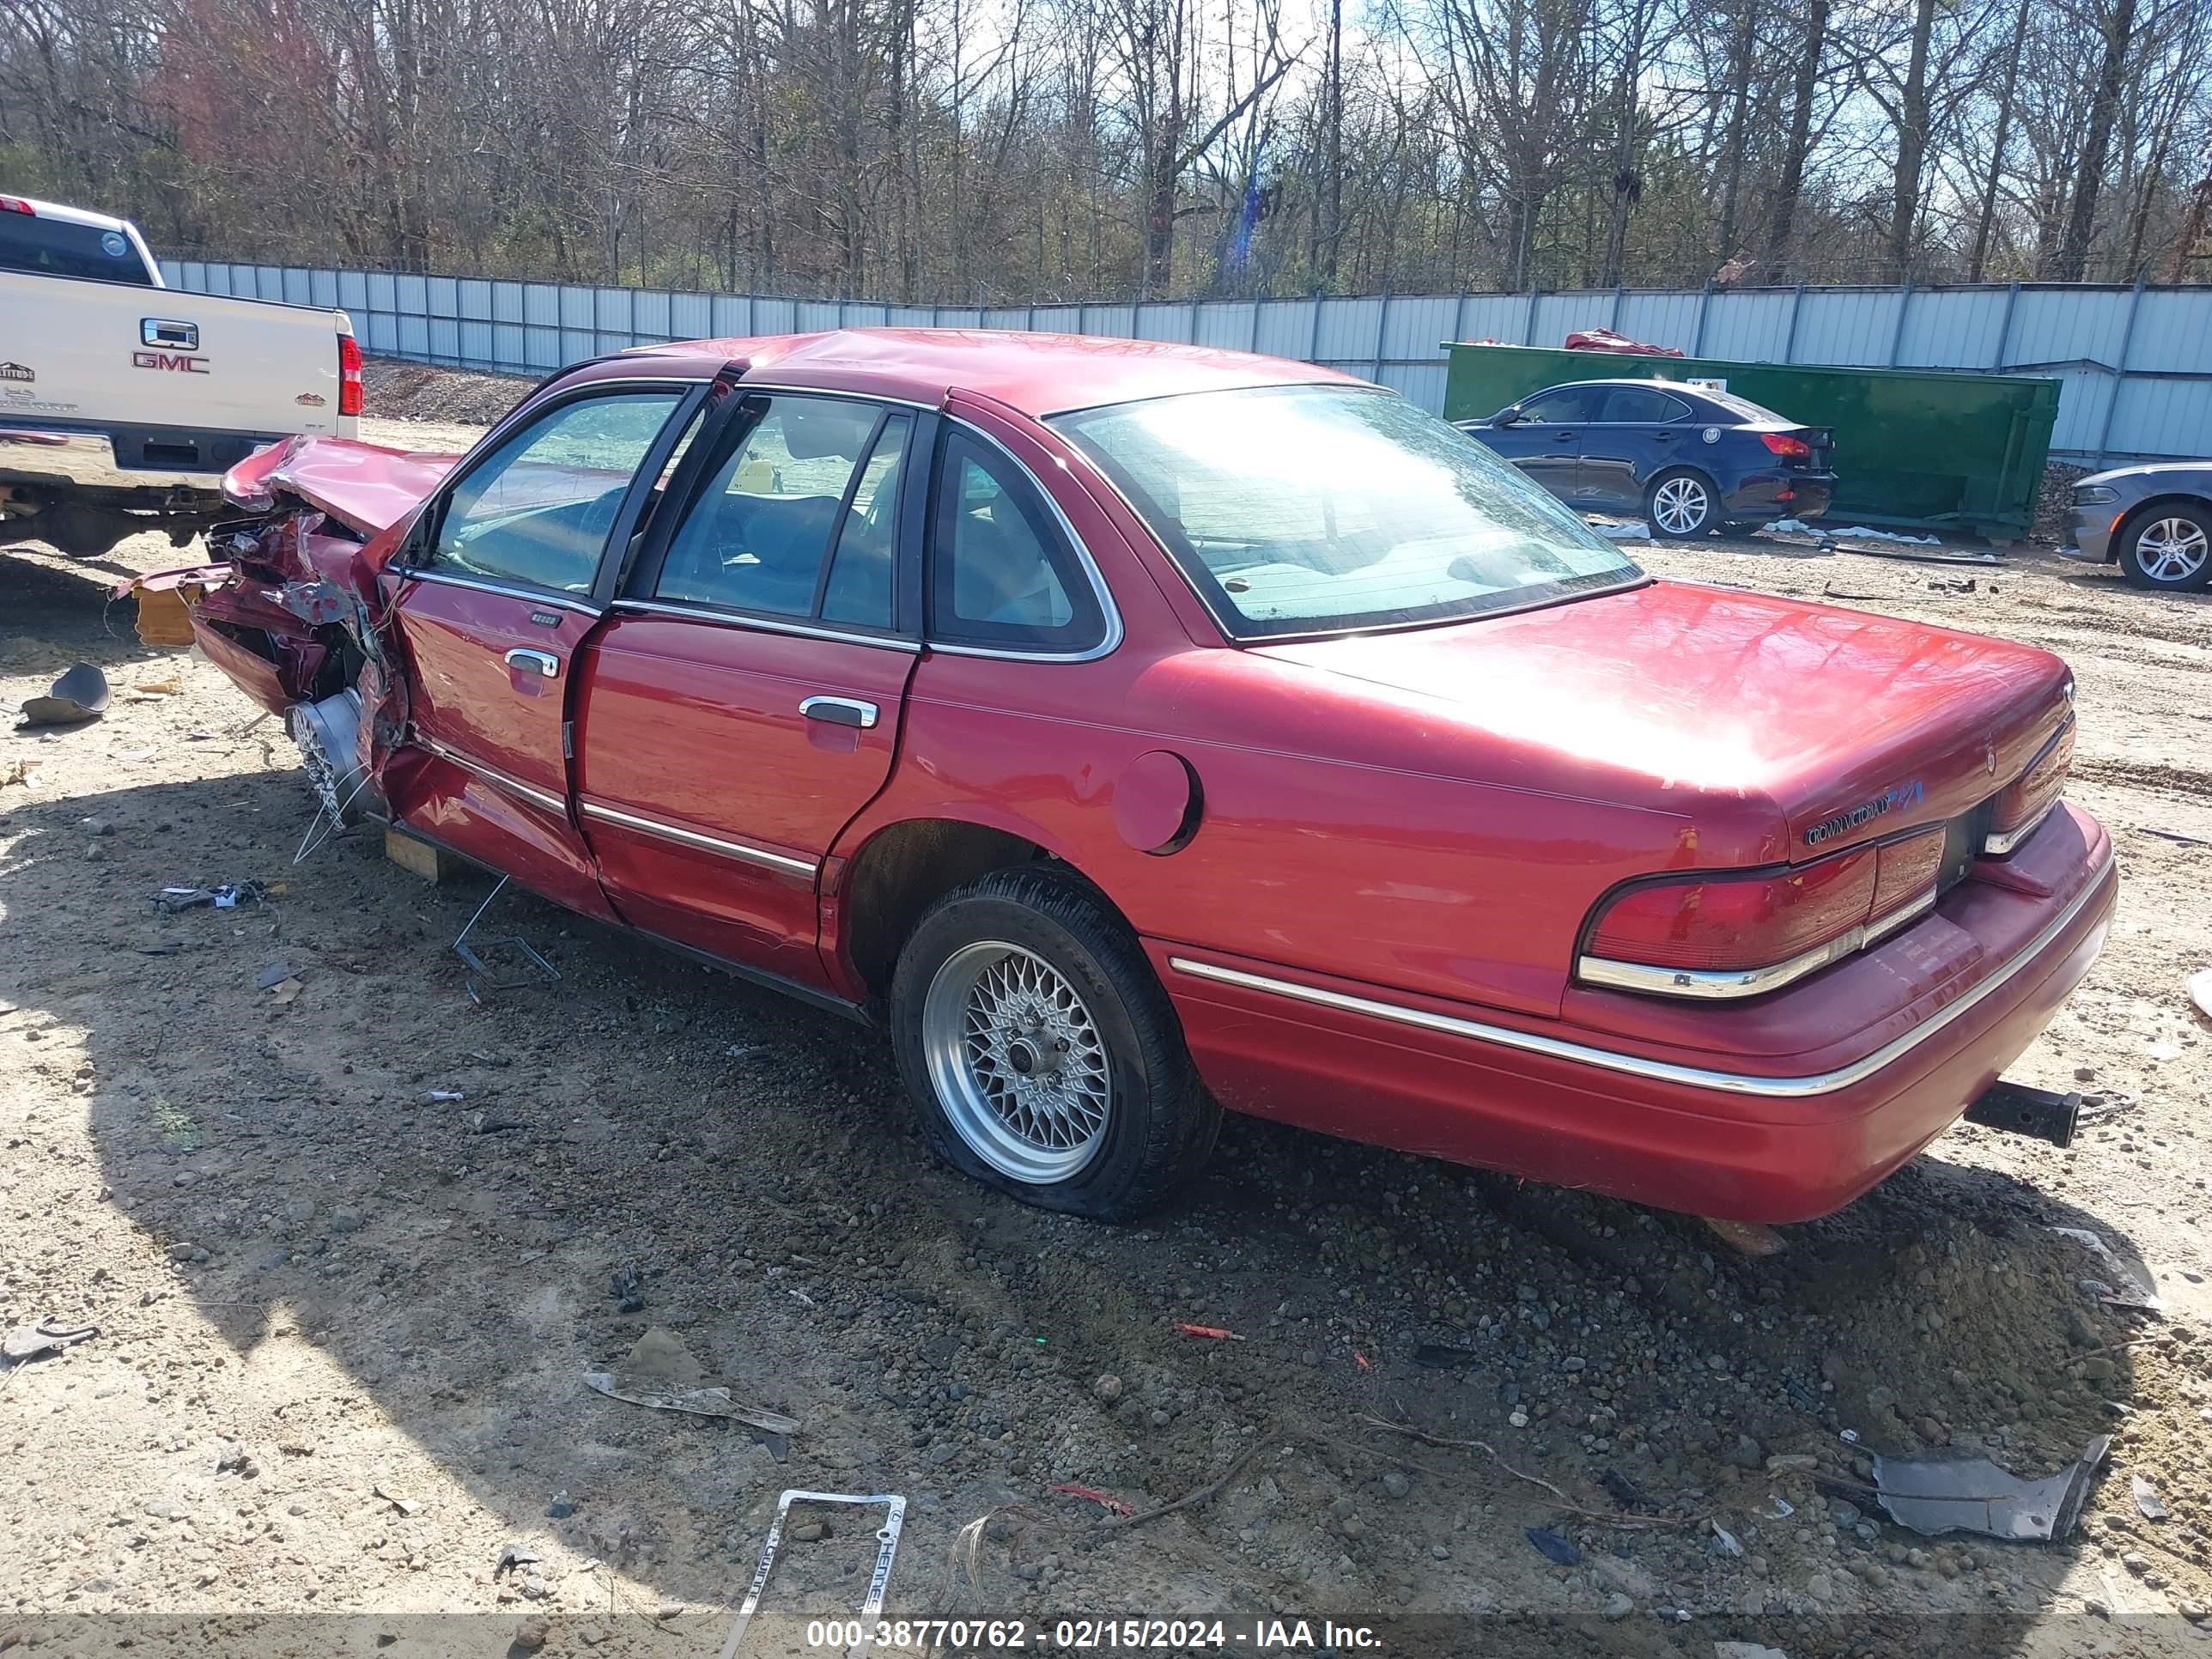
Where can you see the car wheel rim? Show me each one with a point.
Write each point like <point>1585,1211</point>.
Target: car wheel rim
<point>2172,550</point>
<point>1680,506</point>
<point>1017,1061</point>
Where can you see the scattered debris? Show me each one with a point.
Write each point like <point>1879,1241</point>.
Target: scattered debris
<point>1745,1651</point>
<point>170,900</point>
<point>628,1289</point>
<point>19,771</point>
<point>1623,1490</point>
<point>1724,1542</point>
<point>2127,1290</point>
<point>695,1402</point>
<point>887,1538</point>
<point>284,991</point>
<point>2172,834</point>
<point>23,1343</point>
<point>1829,591</point>
<point>1912,551</point>
<point>2200,991</point>
<point>1188,1500</point>
<point>1780,1508</point>
<point>1952,584</point>
<point>562,1507</point>
<point>405,1505</point>
<point>2147,1500</point>
<point>1213,1331</point>
<point>515,1555</point>
<point>152,690</point>
<point>78,696</point>
<point>272,976</point>
<point>1747,1237</point>
<point>1936,1495</point>
<point>1638,532</point>
<point>1554,1548</point>
<point>536,969</point>
<point>1091,1495</point>
<point>1441,1358</point>
<point>443,1097</point>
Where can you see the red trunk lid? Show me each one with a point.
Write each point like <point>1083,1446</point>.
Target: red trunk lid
<point>1852,725</point>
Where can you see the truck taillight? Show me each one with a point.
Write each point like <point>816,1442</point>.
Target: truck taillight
<point>1735,935</point>
<point>349,375</point>
<point>1792,449</point>
<point>2027,800</point>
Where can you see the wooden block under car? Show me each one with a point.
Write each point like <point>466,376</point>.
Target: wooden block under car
<point>432,863</point>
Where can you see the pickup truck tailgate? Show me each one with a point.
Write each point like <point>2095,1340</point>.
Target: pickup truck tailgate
<point>181,382</point>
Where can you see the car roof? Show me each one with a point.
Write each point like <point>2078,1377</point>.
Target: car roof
<point>1035,374</point>
<point>1632,380</point>
<point>72,215</point>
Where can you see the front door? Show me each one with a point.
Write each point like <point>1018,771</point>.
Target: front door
<point>1548,438</point>
<point>743,703</point>
<point>1634,437</point>
<point>494,602</point>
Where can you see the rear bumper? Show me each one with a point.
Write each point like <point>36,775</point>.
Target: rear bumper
<point>1770,495</point>
<point>1752,1135</point>
<point>174,461</point>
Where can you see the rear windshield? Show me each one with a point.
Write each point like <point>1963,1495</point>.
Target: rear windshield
<point>1320,509</point>
<point>1747,409</point>
<point>56,248</point>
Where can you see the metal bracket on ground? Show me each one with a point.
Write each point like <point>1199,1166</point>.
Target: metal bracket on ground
<point>536,971</point>
<point>887,1537</point>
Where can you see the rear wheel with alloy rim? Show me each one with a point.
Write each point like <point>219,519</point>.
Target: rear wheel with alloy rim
<point>2169,546</point>
<point>1041,1052</point>
<point>1681,505</point>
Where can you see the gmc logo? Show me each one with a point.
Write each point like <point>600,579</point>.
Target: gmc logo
<point>175,362</point>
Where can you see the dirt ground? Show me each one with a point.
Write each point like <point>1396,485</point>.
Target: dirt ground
<point>352,1246</point>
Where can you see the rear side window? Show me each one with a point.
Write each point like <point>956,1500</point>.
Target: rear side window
<point>798,518</point>
<point>1632,402</point>
<point>57,247</point>
<point>539,510</point>
<point>1000,573</point>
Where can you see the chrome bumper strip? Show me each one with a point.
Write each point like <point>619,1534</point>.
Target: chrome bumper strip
<point>1693,1077</point>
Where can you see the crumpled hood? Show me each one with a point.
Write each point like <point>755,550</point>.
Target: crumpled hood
<point>1672,692</point>
<point>366,487</point>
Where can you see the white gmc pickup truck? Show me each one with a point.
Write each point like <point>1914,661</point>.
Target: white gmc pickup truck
<point>122,403</point>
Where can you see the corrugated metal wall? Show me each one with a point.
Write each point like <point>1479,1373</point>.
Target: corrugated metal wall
<point>2137,363</point>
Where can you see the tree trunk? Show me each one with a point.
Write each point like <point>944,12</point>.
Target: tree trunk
<point>1912,144</point>
<point>1784,223</point>
<point>1739,56</point>
<point>2081,219</point>
<point>1987,219</point>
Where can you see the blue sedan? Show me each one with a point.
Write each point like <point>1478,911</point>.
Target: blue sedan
<point>1691,459</point>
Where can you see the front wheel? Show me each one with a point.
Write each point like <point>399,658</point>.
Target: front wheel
<point>1681,506</point>
<point>2168,547</point>
<point>1041,1052</point>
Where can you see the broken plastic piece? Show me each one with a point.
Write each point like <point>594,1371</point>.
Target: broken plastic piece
<point>1090,1495</point>
<point>1936,1495</point>
<point>1554,1548</point>
<point>2147,1500</point>
<point>25,1342</point>
<point>1214,1332</point>
<point>2132,1293</point>
<point>78,696</point>
<point>887,1538</point>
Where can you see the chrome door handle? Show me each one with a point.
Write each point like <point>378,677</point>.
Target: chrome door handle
<point>841,711</point>
<point>543,662</point>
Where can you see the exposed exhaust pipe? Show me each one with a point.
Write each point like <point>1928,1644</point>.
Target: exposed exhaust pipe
<point>2017,1110</point>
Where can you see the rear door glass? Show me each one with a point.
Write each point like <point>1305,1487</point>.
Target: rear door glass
<point>1644,408</point>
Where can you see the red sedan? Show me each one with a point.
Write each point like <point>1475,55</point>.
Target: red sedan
<point>1134,730</point>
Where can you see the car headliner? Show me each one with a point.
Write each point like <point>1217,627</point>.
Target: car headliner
<point>1037,374</point>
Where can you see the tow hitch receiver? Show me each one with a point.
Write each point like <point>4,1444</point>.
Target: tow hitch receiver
<point>2020,1110</point>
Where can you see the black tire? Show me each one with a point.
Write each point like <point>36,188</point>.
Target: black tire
<point>1160,1122</point>
<point>2174,535</point>
<point>1702,524</point>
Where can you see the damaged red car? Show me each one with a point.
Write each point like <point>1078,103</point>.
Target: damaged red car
<point>1133,730</point>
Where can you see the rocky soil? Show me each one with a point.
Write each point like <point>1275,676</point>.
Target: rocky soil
<point>352,1246</point>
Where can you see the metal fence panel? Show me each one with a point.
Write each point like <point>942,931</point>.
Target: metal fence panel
<point>2135,366</point>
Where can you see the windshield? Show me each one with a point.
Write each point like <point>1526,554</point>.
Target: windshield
<point>1316,509</point>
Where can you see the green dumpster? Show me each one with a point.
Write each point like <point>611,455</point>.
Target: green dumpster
<point>1926,449</point>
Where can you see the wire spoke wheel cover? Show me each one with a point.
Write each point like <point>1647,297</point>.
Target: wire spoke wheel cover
<point>1017,1061</point>
<point>1681,504</point>
<point>2172,550</point>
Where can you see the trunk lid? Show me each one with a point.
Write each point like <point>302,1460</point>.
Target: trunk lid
<point>1851,725</point>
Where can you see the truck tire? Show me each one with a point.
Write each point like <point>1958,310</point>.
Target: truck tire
<point>1041,1052</point>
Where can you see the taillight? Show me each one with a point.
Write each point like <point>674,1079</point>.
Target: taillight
<point>1736,935</point>
<point>349,375</point>
<point>2027,800</point>
<point>1792,449</point>
<point>17,204</point>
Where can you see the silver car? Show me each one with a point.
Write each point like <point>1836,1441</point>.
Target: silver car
<point>2156,520</point>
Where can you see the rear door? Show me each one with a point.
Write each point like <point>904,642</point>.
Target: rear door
<point>495,598</point>
<point>1548,439</point>
<point>1636,432</point>
<point>743,701</point>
